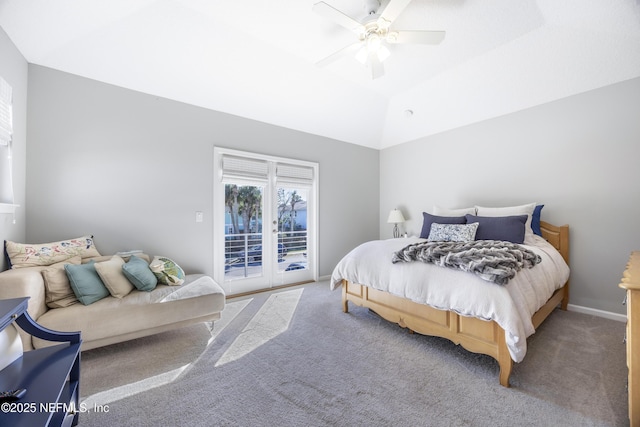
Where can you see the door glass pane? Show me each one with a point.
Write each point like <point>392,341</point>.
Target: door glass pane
<point>243,231</point>
<point>268,209</point>
<point>292,229</point>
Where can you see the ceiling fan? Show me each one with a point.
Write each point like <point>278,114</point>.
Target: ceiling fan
<point>374,33</point>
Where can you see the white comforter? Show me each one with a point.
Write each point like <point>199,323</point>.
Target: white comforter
<point>511,306</point>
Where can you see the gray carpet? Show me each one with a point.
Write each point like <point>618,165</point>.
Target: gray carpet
<point>321,367</point>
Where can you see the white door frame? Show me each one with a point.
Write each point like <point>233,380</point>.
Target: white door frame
<point>270,277</point>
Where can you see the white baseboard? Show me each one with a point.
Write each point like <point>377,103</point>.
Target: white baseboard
<point>598,313</point>
<point>323,278</point>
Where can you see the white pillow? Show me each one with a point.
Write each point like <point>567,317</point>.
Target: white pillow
<point>440,211</point>
<point>510,211</point>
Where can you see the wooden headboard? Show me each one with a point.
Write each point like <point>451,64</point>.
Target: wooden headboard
<point>558,236</point>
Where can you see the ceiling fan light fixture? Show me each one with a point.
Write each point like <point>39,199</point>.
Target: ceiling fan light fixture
<point>383,53</point>
<point>374,33</point>
<point>373,46</point>
<point>365,54</point>
<point>362,55</point>
<point>374,42</point>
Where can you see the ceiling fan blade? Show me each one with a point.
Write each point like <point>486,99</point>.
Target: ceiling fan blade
<point>330,12</point>
<point>347,50</point>
<point>377,69</point>
<point>417,37</point>
<point>391,12</point>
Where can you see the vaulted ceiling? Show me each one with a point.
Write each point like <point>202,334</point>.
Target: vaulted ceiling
<point>257,59</point>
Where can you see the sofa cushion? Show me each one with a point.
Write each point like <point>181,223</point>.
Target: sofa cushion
<point>58,292</point>
<point>125,258</point>
<point>198,298</point>
<point>116,282</point>
<point>86,283</point>
<point>138,272</point>
<point>167,271</point>
<point>29,255</point>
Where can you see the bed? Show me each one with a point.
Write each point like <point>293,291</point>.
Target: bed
<point>480,316</point>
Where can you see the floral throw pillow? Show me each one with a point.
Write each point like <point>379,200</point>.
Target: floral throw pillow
<point>452,232</point>
<point>30,255</point>
<point>167,271</point>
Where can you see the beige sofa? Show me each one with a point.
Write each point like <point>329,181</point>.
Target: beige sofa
<point>111,320</point>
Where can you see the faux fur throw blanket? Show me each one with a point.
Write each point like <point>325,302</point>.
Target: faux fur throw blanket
<point>492,260</point>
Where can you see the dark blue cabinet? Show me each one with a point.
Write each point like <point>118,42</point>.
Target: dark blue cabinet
<point>51,375</point>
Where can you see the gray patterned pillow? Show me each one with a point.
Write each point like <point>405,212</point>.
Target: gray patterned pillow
<point>452,232</point>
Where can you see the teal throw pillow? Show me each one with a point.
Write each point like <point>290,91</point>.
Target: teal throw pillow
<point>86,283</point>
<point>138,272</point>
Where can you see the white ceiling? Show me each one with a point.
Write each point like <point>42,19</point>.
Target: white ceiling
<point>256,58</point>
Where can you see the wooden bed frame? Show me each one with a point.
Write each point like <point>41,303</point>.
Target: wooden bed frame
<point>475,335</point>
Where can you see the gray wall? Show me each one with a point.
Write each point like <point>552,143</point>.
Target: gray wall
<point>132,169</point>
<point>13,68</point>
<point>579,156</point>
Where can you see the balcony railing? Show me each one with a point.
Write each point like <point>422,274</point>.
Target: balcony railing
<point>243,253</point>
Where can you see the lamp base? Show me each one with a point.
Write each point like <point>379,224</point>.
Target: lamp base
<point>396,231</point>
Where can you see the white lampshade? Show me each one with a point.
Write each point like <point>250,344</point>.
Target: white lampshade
<point>395,217</point>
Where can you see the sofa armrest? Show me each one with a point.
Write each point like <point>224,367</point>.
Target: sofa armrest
<point>25,282</point>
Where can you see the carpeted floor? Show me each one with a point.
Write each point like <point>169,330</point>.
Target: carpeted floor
<point>292,358</point>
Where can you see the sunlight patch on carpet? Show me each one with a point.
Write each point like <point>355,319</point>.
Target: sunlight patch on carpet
<point>271,320</point>
<point>128,390</point>
<point>230,312</point>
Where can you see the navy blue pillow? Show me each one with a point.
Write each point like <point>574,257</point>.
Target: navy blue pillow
<point>506,228</point>
<point>535,220</point>
<point>429,219</point>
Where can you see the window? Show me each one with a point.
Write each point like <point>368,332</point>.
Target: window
<point>6,135</point>
<point>6,113</point>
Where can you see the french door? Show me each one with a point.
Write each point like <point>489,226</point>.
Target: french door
<point>265,221</point>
